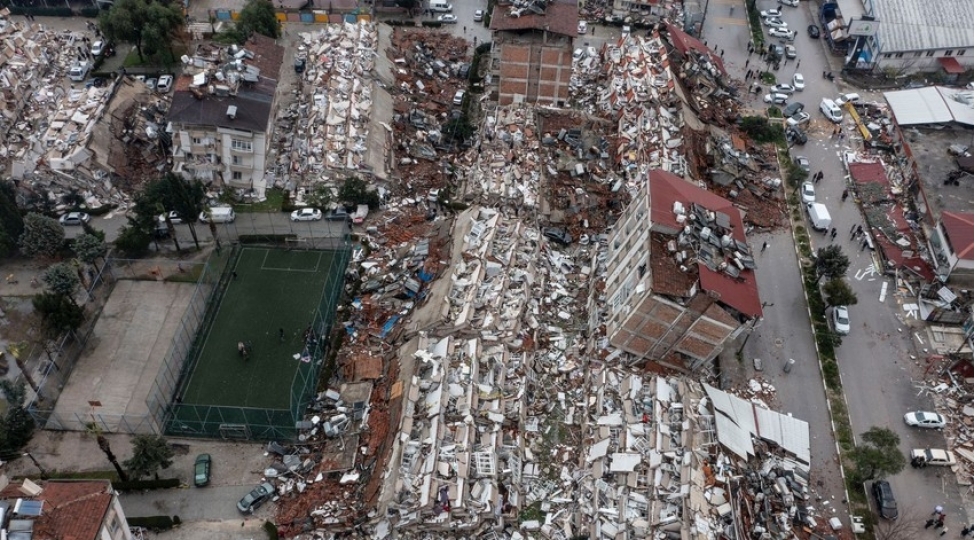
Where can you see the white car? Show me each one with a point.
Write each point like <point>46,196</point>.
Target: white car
<point>790,52</point>
<point>306,214</point>
<point>808,193</point>
<point>790,3</point>
<point>97,48</point>
<point>829,108</point>
<point>774,12</point>
<point>79,72</point>
<point>583,28</point>
<point>447,18</point>
<point>799,82</point>
<point>151,83</point>
<point>845,98</point>
<point>841,320</point>
<point>165,84</point>
<point>75,218</point>
<point>777,99</point>
<point>782,89</point>
<point>459,97</point>
<point>773,22</point>
<point>782,33</point>
<point>478,15</point>
<point>798,119</point>
<point>173,217</point>
<point>925,419</point>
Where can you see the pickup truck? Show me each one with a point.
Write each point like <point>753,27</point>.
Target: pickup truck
<point>360,214</point>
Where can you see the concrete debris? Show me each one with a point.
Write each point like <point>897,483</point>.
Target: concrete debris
<point>951,392</point>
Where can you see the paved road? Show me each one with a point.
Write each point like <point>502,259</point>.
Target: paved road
<point>191,504</point>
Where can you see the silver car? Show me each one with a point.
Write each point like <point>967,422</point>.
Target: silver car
<point>841,320</point>
<point>924,419</point>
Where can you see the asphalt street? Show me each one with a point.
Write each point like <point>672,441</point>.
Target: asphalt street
<point>216,503</point>
<point>879,360</point>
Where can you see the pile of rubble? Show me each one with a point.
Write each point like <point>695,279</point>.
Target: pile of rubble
<point>953,400</point>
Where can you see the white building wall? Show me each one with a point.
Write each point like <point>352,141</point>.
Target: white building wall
<point>629,247</point>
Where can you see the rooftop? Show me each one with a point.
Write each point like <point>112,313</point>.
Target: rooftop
<point>914,25</point>
<point>69,510</point>
<point>560,17</point>
<point>960,229</point>
<point>932,105</point>
<point>252,114</point>
<point>684,43</point>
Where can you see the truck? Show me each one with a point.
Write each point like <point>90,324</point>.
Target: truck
<point>360,214</point>
<point>819,216</point>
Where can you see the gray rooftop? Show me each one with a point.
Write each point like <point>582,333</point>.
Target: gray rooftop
<point>253,108</point>
<point>913,25</point>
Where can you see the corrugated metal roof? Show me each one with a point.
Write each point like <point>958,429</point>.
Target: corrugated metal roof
<point>931,105</point>
<point>916,25</point>
<point>738,420</point>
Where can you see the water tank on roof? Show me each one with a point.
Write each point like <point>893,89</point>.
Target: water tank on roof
<point>678,208</point>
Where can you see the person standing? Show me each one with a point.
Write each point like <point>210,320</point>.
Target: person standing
<point>846,193</point>
<point>281,335</point>
<point>764,246</point>
<point>832,234</point>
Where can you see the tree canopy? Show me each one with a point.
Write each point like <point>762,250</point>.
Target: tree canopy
<point>89,248</point>
<point>61,278</point>
<point>42,237</point>
<point>356,191</point>
<point>257,16</point>
<point>149,454</point>
<point>58,312</point>
<point>149,25</point>
<point>831,262</point>
<point>170,193</point>
<point>16,424</point>
<point>878,455</point>
<point>11,222</point>
<point>839,293</point>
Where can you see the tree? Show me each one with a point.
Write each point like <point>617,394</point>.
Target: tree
<point>89,248</point>
<point>831,262</point>
<point>257,16</point>
<point>319,196</point>
<point>58,312</point>
<point>42,237</point>
<point>16,424</point>
<point>11,221</point>
<point>132,241</point>
<point>62,279</point>
<point>149,454</point>
<point>147,24</point>
<point>356,191</point>
<point>17,351</point>
<point>839,293</point>
<point>105,447</point>
<point>170,193</point>
<point>905,527</point>
<point>878,455</point>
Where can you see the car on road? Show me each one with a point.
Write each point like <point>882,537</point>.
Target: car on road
<point>777,99</point>
<point>790,52</point>
<point>808,192</point>
<point>794,135</point>
<point>829,109</point>
<point>74,218</point>
<point>459,97</point>
<point>79,71</point>
<point>774,12</point>
<point>798,119</point>
<point>933,456</point>
<point>201,470</point>
<point>798,82</point>
<point>300,64</point>
<point>98,48</point>
<point>925,419</point>
<point>782,33</point>
<point>165,84</point>
<point>151,83</point>
<point>792,108</point>
<point>790,3</point>
<point>557,235</point>
<point>173,217</point>
<point>583,28</point>
<point>773,21</point>
<point>802,162</point>
<point>306,214</point>
<point>447,18</point>
<point>777,50</point>
<point>884,495</point>
<point>840,318</point>
<point>813,31</point>
<point>257,496</point>
<point>339,214</point>
<point>478,15</point>
<point>843,99</point>
<point>782,89</point>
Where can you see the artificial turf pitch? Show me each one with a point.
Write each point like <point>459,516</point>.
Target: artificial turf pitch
<point>273,289</point>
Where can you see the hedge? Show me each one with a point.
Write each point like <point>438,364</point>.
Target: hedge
<point>97,211</point>
<point>271,530</point>
<point>154,523</point>
<point>139,485</point>
<point>265,238</point>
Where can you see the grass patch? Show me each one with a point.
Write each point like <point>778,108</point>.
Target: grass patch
<point>767,77</point>
<point>774,112</point>
<point>191,275</point>
<point>162,59</point>
<point>532,512</point>
<point>273,203</point>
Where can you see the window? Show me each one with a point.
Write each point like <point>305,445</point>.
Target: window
<point>237,175</point>
<point>929,53</point>
<point>237,160</point>
<point>887,55</point>
<point>899,55</point>
<point>917,55</point>
<point>189,156</point>
<point>241,146</point>
<point>948,52</point>
<point>961,52</point>
<point>197,140</point>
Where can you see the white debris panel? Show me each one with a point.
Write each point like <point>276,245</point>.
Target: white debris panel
<point>746,420</point>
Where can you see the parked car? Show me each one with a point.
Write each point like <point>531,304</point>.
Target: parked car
<point>808,192</point>
<point>447,18</point>
<point>151,83</point>
<point>774,12</point>
<point>74,218</point>
<point>798,82</point>
<point>306,214</point>
<point>829,108</point>
<point>790,3</point>
<point>478,15</point>
<point>583,28</point>
<point>933,456</point>
<point>782,89</point>
<point>464,71</point>
<point>300,64</point>
<point>794,135</point>
<point>841,320</point>
<point>852,97</point>
<point>886,504</point>
<point>557,235</point>
<point>925,419</point>
<point>783,33</point>
<point>459,97</point>
<point>777,50</point>
<point>813,31</point>
<point>773,21</point>
<point>79,71</point>
<point>97,48</point>
<point>777,99</point>
<point>802,162</point>
<point>798,119</point>
<point>790,52</point>
<point>339,214</point>
<point>165,84</point>
<point>173,217</point>
<point>792,108</point>
<point>257,496</point>
<point>201,470</point>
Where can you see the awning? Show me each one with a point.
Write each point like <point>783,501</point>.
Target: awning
<point>950,65</point>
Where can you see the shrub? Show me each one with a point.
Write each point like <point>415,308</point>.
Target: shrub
<point>271,530</point>
<point>97,211</point>
<point>153,523</point>
<point>140,485</point>
<point>432,24</point>
<point>265,238</point>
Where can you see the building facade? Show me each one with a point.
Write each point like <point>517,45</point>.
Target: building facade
<point>680,276</point>
<point>61,509</point>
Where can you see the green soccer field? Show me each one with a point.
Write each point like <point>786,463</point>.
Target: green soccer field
<point>272,289</point>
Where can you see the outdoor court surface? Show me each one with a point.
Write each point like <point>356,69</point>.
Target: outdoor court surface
<point>273,289</point>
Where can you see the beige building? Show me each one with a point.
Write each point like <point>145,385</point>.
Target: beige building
<point>680,281</point>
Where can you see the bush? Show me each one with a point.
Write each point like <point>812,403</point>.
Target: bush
<point>271,530</point>
<point>154,523</point>
<point>140,485</point>
<point>774,112</point>
<point>483,48</point>
<point>761,131</point>
<point>265,238</point>
<point>89,12</point>
<point>97,211</point>
<point>431,24</point>
<point>42,11</point>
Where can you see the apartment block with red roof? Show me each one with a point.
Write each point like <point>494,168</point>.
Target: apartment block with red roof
<point>61,510</point>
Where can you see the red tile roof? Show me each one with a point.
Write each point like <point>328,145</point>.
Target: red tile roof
<point>666,189</point>
<point>869,172</point>
<point>684,42</point>
<point>560,17</point>
<point>960,230</point>
<point>951,65</point>
<point>71,510</point>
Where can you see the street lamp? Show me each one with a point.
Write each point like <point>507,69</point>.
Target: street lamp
<point>36,464</point>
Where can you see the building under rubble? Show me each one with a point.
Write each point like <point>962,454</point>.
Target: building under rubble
<point>221,114</point>
<point>681,280</point>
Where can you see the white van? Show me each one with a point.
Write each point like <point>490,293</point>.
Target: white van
<point>851,97</point>
<point>440,6</point>
<point>218,214</point>
<point>819,216</point>
<point>831,110</point>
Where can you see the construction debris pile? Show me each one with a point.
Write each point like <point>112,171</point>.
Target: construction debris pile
<point>953,400</point>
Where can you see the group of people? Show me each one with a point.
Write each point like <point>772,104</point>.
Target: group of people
<point>937,520</point>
